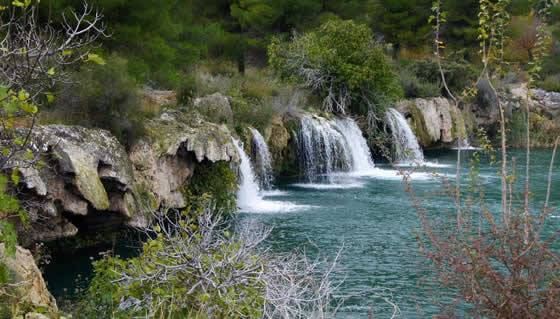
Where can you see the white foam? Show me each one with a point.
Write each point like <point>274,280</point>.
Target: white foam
<point>391,174</point>
<point>329,186</point>
<point>274,193</point>
<point>267,206</point>
<point>423,164</point>
<point>467,148</point>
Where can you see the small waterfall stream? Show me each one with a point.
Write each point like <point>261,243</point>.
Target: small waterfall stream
<point>249,196</point>
<point>263,160</point>
<point>357,144</point>
<point>330,146</point>
<point>405,144</point>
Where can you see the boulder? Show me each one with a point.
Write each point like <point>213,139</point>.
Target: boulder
<point>487,110</point>
<point>165,159</point>
<point>277,137</point>
<point>86,170</point>
<point>215,107</point>
<point>435,121</point>
<point>548,102</point>
<point>29,288</point>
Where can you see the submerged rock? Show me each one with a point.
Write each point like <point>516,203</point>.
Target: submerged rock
<point>29,290</point>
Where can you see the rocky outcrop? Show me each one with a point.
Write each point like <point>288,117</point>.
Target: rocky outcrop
<point>165,160</point>
<point>215,107</point>
<point>548,102</point>
<point>83,172</point>
<point>278,139</point>
<point>435,121</point>
<point>154,100</point>
<point>487,110</point>
<point>29,290</point>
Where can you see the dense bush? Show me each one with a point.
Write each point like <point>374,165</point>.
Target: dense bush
<point>215,180</point>
<point>194,266</point>
<point>459,74</point>
<point>416,88</point>
<point>551,83</point>
<point>253,95</point>
<point>342,63</point>
<point>102,96</point>
<point>187,90</point>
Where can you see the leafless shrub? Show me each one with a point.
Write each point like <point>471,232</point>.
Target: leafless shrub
<point>33,58</point>
<point>204,257</point>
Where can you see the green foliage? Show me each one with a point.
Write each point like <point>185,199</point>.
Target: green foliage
<point>459,73</point>
<point>216,181</point>
<point>551,83</point>
<point>416,88</point>
<point>402,22</point>
<point>103,96</point>
<point>178,295</point>
<point>10,211</point>
<point>252,95</point>
<point>187,91</point>
<point>341,62</point>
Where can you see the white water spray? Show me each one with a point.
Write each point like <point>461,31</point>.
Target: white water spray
<point>405,143</point>
<point>330,146</point>
<point>357,145</point>
<point>263,160</point>
<point>249,197</point>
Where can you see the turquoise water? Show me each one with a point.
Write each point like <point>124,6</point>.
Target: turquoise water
<point>373,221</point>
<point>371,218</point>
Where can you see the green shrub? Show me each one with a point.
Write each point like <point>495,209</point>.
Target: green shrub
<point>459,74</point>
<point>187,90</point>
<point>102,96</point>
<point>342,63</point>
<point>216,181</point>
<point>551,83</point>
<point>415,88</point>
<point>252,95</point>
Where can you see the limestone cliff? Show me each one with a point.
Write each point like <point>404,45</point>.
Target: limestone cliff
<point>435,121</point>
<point>166,158</point>
<point>87,181</point>
<point>29,290</point>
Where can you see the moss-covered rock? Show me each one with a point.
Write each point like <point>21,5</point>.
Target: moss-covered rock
<point>435,121</point>
<point>165,160</point>
<point>81,171</point>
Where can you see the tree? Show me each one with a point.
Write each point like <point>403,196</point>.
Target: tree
<point>34,57</point>
<point>500,262</point>
<point>342,63</point>
<point>402,22</point>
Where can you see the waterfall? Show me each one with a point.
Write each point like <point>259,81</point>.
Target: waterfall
<point>249,197</point>
<point>248,192</point>
<point>405,143</point>
<point>357,144</point>
<point>329,146</point>
<point>263,160</point>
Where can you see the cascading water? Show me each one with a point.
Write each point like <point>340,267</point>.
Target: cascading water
<point>249,197</point>
<point>263,160</point>
<point>329,146</point>
<point>405,143</point>
<point>357,145</point>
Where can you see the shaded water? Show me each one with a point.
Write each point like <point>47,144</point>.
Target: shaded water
<point>372,219</point>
